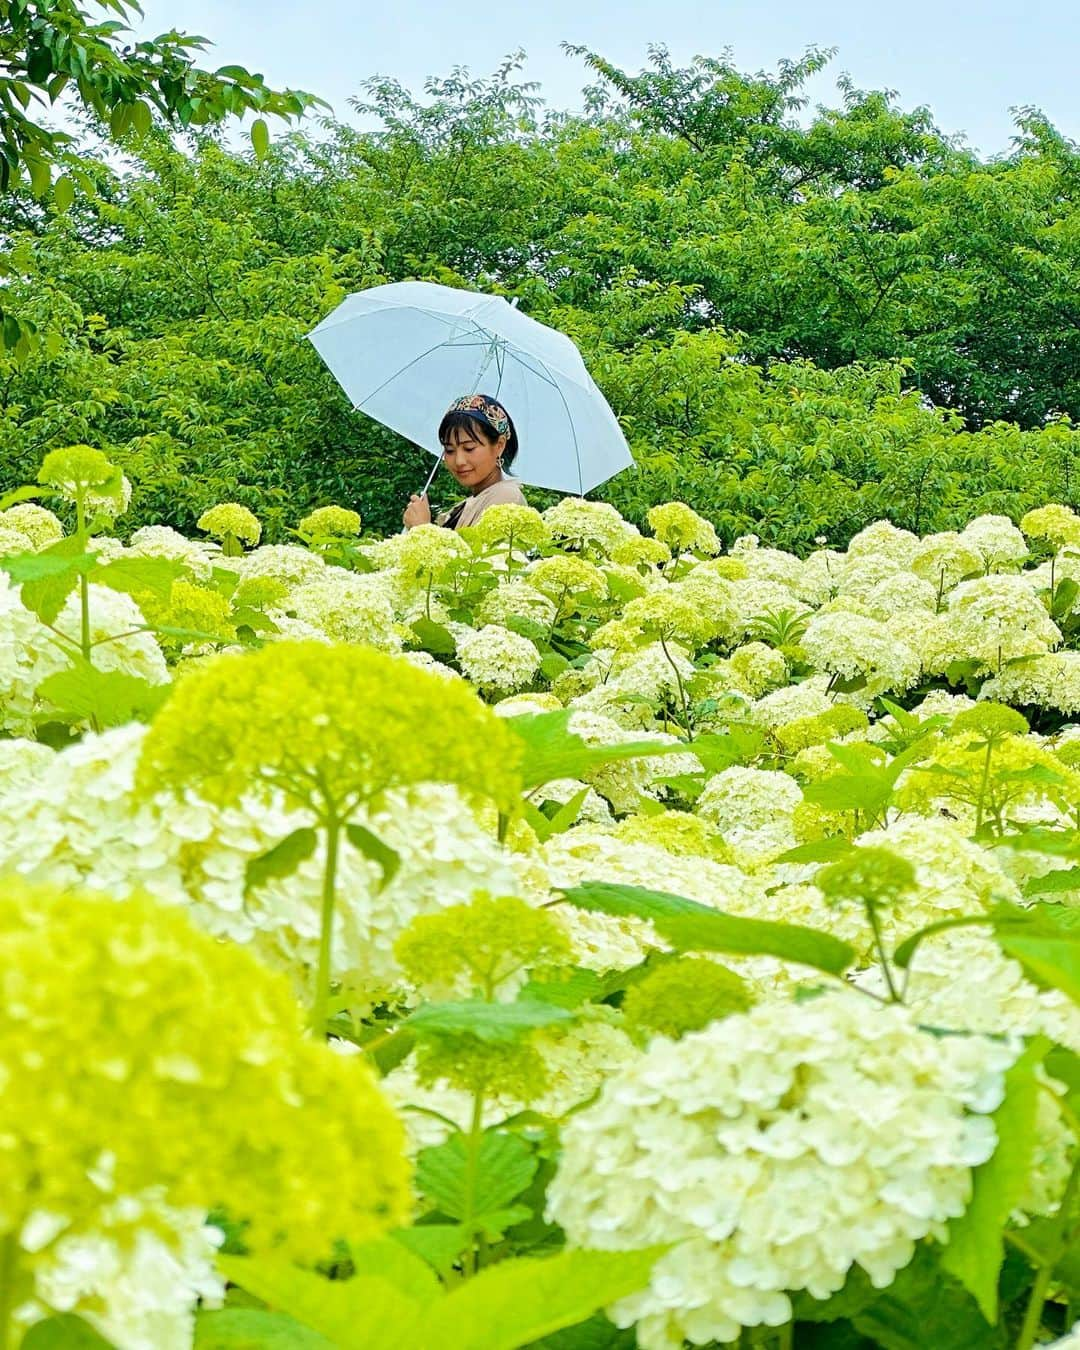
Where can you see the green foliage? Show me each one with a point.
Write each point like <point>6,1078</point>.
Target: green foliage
<point>690,926</point>
<point>856,263</point>
<point>502,1308</point>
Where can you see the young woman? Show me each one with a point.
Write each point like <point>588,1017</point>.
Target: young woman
<point>479,445</point>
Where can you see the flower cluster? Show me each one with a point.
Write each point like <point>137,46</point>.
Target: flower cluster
<point>738,1144</point>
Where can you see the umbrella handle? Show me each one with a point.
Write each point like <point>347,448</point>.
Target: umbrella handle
<point>424,489</point>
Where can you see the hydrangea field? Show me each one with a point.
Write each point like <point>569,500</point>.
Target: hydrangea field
<point>545,935</point>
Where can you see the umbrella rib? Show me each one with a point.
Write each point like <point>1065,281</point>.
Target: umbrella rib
<point>398,373</point>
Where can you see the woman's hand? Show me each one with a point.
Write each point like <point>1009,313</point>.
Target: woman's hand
<point>418,512</point>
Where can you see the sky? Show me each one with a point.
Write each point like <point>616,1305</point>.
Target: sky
<point>969,62</point>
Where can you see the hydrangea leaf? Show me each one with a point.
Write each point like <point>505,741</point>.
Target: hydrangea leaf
<point>553,751</point>
<point>64,1332</point>
<point>389,1260</point>
<point>596,1333</point>
<point>48,578</point>
<point>694,927</point>
<point>371,846</point>
<point>486,1021</point>
<point>367,1311</point>
<point>976,1246</point>
<point>512,1304</point>
<point>135,575</point>
<point>433,637</point>
<point>439,1244</point>
<point>281,860</point>
<point>504,1166</point>
<point>1053,961</point>
<point>254,1329</point>
<point>28,493</point>
<point>110,698</point>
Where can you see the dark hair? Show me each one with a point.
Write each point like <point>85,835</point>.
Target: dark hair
<point>467,421</point>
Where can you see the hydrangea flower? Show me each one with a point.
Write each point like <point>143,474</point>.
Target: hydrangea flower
<point>682,529</point>
<point>39,525</point>
<point>752,809</point>
<point>583,523</point>
<point>739,1144</point>
<point>522,528</point>
<point>161,541</point>
<point>334,522</point>
<point>138,1053</point>
<point>497,660</point>
<point>346,607</point>
<point>231,519</point>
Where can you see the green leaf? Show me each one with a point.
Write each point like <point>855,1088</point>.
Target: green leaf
<point>1051,961</point>
<point>597,1333</point>
<point>907,949</point>
<point>570,990</point>
<point>260,138</point>
<point>142,118</point>
<point>135,575</point>
<point>976,1246</point>
<point>433,637</point>
<point>508,1305</point>
<point>371,846</point>
<point>690,926</point>
<point>64,1332</point>
<point>553,751</point>
<point>64,193</point>
<point>818,850</point>
<point>1067,880</point>
<point>282,860</point>
<point>390,1260</point>
<point>254,1329</point>
<point>439,1244</point>
<point>22,494</point>
<point>493,1022</point>
<point>505,1165</point>
<point>365,1312</point>
<point>110,698</point>
<point>545,826</point>
<point>49,577</point>
<point>552,665</point>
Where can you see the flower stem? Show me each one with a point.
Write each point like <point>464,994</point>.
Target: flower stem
<point>983,785</point>
<point>871,914</point>
<point>472,1166</point>
<point>9,1255</point>
<point>326,934</point>
<point>682,691</point>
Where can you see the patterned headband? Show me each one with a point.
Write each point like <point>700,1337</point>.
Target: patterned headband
<point>484,407</point>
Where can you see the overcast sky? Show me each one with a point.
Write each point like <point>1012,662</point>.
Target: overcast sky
<point>969,62</point>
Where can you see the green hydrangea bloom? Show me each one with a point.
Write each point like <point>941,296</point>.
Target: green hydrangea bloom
<point>673,616</point>
<point>867,876</point>
<point>137,1052</point>
<point>681,528</point>
<point>1056,523</point>
<point>77,468</point>
<point>325,723</point>
<point>685,995</point>
<point>508,522</point>
<point>636,550</point>
<point>565,576</point>
<point>679,832</point>
<point>827,726</point>
<point>190,607</point>
<point>230,518</point>
<point>477,949</point>
<point>335,522</point>
<point>39,525</point>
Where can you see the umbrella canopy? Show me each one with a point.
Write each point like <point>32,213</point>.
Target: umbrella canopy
<point>404,352</point>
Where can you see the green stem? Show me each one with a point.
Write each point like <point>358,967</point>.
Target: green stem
<point>682,692</point>
<point>1044,1272</point>
<point>785,1337</point>
<point>9,1255</point>
<point>982,786</point>
<point>326,934</point>
<point>472,1165</point>
<point>871,914</point>
<point>1034,1310</point>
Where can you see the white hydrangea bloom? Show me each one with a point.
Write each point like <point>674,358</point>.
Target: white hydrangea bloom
<point>809,698</point>
<point>287,564</point>
<point>516,600</point>
<point>1050,681</point>
<point>583,523</point>
<point>137,1279</point>
<point>992,620</point>
<point>851,647</point>
<point>818,582</point>
<point>758,599</point>
<point>161,541</point>
<point>752,809</point>
<point>883,538</point>
<point>38,525</point>
<point>1070,1341</point>
<point>497,660</point>
<point>346,606</point>
<point>901,591</point>
<point>772,565</point>
<point>945,559</point>
<point>996,541</point>
<point>739,1144</point>
<point>861,573</point>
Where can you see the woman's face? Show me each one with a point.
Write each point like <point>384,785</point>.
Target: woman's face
<point>470,458</point>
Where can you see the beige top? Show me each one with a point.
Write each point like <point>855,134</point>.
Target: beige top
<point>505,490</point>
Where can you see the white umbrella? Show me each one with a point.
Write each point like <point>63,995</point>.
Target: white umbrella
<point>404,352</point>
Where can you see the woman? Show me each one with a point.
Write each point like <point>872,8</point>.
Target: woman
<point>479,445</point>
